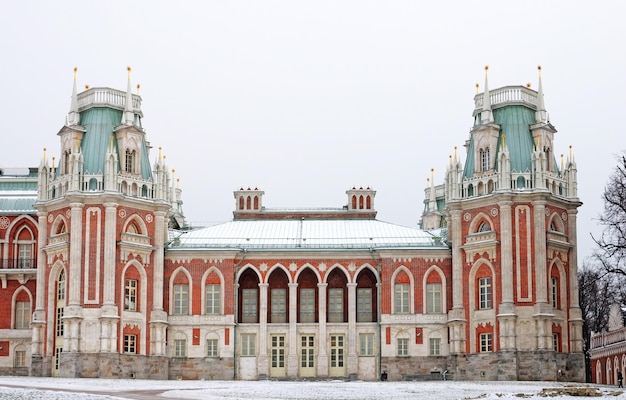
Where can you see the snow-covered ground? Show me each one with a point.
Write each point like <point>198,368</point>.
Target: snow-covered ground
<point>91,389</point>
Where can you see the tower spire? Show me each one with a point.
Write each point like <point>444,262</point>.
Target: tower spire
<point>129,116</point>
<point>73,117</point>
<point>486,115</point>
<point>540,115</point>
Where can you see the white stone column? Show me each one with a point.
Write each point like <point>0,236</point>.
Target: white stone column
<point>110,230</point>
<point>575,313</point>
<point>76,247</point>
<point>456,317</point>
<point>263,360</point>
<point>352,358</point>
<point>158,317</point>
<point>39,317</point>
<point>506,314</point>
<point>539,235</point>
<point>292,355</point>
<point>322,341</point>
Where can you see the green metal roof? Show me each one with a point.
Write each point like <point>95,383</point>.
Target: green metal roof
<point>515,122</point>
<point>15,205</point>
<point>100,123</point>
<point>18,185</point>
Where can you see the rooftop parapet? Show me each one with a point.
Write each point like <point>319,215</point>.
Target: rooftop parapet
<point>506,96</point>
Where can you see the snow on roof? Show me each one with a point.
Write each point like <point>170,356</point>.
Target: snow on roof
<point>305,234</point>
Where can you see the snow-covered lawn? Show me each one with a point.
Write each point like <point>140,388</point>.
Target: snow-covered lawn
<point>71,389</point>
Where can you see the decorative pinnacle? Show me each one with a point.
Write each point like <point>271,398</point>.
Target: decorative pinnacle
<point>75,69</point>
<point>528,85</point>
<point>86,86</point>
<point>138,87</point>
<point>539,69</point>
<point>477,86</point>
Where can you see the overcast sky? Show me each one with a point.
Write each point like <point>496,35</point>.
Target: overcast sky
<point>305,99</point>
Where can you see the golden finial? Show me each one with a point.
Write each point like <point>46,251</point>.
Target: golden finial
<point>455,152</point>
<point>528,85</point>
<point>52,164</point>
<point>562,162</point>
<point>111,142</point>
<point>486,67</point>
<point>503,135</point>
<point>44,154</point>
<point>570,151</point>
<point>128,69</point>
<point>160,151</point>
<point>75,69</point>
<point>173,170</point>
<point>86,87</point>
<point>539,69</point>
<point>450,157</point>
<point>177,183</point>
<point>477,86</point>
<point>138,87</point>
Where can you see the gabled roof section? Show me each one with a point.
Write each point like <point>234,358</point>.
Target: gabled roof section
<point>306,234</point>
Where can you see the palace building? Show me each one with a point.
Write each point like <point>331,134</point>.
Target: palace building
<point>103,277</point>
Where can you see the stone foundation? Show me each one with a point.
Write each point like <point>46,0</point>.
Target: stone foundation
<point>112,365</point>
<point>201,368</point>
<point>411,368</point>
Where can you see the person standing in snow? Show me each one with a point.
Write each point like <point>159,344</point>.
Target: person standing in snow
<point>620,379</point>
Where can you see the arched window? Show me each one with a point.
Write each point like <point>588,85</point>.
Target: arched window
<point>307,297</point>
<point>337,296</point>
<point>361,202</point>
<point>354,202</point>
<point>368,202</point>
<point>402,294</point>
<point>278,297</point>
<point>256,202</point>
<point>241,203</point>
<point>248,203</point>
<point>366,296</point>
<point>213,295</point>
<point>248,297</point>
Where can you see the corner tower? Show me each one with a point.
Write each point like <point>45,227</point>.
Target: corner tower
<point>103,215</point>
<point>511,211</point>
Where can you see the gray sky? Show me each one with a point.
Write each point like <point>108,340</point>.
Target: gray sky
<point>304,99</point>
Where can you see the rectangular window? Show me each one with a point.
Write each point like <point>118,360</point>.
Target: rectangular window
<point>366,344</point>
<point>401,298</point>
<point>555,341</point>
<point>250,305</point>
<point>434,346</point>
<point>403,347</point>
<point>181,299</point>
<point>335,305</point>
<point>22,315</point>
<point>279,305</point>
<point>484,287</point>
<point>486,342</point>
<point>130,344</point>
<point>307,305</point>
<point>180,348</point>
<point>213,296</point>
<point>20,358</point>
<point>554,289</point>
<point>211,348</point>
<point>59,321</point>
<point>433,298</point>
<point>130,295</point>
<point>248,345</point>
<point>25,256</point>
<point>364,305</point>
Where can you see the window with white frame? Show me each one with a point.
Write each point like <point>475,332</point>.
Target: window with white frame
<point>130,295</point>
<point>486,342</point>
<point>250,305</point>
<point>484,291</point>
<point>402,345</point>
<point>279,305</point>
<point>401,298</point>
<point>364,305</point>
<point>554,291</point>
<point>20,358</point>
<point>433,298</point>
<point>555,341</point>
<point>130,344</point>
<point>180,348</point>
<point>484,159</point>
<point>335,305</point>
<point>307,305</point>
<point>212,348</point>
<point>181,299</point>
<point>25,255</point>
<point>212,299</point>
<point>22,314</point>
<point>434,346</point>
<point>366,344</point>
<point>248,344</point>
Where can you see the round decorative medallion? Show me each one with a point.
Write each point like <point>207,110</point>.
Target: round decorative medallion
<point>4,222</point>
<point>68,213</point>
<point>467,217</point>
<point>50,218</point>
<point>122,213</point>
<point>149,218</point>
<point>547,212</point>
<point>494,212</point>
<point>564,216</point>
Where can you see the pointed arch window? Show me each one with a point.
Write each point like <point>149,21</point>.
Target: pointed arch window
<point>22,314</point>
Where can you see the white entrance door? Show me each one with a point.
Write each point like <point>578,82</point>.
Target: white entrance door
<point>307,355</point>
<point>277,350</point>
<point>337,361</point>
